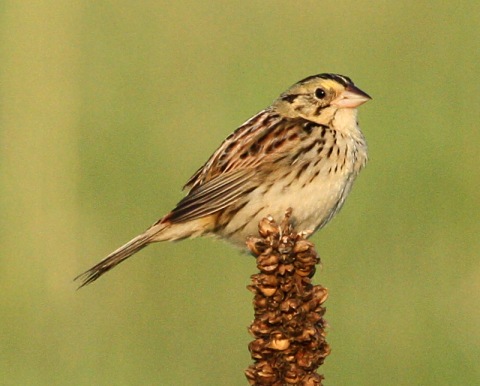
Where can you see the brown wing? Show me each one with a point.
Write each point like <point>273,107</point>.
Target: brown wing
<point>214,195</point>
<point>239,165</point>
<point>239,150</point>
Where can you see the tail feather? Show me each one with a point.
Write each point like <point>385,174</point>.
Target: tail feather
<point>160,231</point>
<point>119,255</point>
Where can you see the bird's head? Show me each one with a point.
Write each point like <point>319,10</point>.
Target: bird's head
<point>318,98</point>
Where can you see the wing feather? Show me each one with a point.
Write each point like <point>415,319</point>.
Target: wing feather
<point>236,151</point>
<point>239,165</point>
<point>213,195</point>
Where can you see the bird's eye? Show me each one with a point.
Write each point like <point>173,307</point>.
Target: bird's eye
<point>320,93</point>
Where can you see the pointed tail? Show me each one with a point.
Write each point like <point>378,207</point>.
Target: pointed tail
<point>119,255</point>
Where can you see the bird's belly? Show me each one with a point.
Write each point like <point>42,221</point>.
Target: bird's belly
<point>314,199</point>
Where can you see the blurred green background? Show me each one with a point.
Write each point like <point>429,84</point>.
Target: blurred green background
<point>108,107</point>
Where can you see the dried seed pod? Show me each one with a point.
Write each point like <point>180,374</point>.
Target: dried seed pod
<point>289,326</point>
<point>279,344</point>
<point>267,227</point>
<point>267,262</point>
<point>268,291</point>
<point>302,245</point>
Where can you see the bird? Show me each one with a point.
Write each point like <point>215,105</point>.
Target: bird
<point>302,152</point>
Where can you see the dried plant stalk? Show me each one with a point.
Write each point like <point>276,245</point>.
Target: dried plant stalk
<point>289,328</point>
